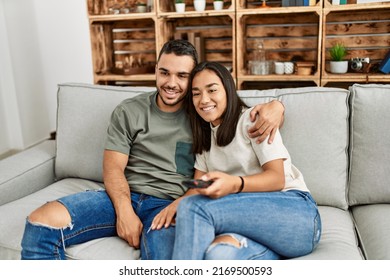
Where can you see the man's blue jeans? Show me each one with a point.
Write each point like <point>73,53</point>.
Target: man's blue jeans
<point>93,216</point>
<point>268,225</point>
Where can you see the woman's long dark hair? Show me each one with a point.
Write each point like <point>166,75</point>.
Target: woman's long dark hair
<point>201,131</point>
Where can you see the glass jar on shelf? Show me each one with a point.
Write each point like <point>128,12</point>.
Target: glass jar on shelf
<point>259,65</point>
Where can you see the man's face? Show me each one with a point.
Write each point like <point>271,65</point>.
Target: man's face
<point>172,76</point>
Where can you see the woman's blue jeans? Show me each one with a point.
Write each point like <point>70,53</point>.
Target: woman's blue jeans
<point>93,216</point>
<point>275,224</point>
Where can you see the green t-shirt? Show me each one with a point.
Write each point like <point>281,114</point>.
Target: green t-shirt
<point>159,146</point>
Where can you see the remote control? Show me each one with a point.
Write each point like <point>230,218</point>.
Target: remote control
<point>196,183</point>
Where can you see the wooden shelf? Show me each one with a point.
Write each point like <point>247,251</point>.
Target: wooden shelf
<point>356,77</point>
<point>196,14</point>
<point>349,7</point>
<point>303,33</point>
<point>365,33</point>
<point>115,77</point>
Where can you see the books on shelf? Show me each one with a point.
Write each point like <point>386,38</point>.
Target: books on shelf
<point>370,1</point>
<point>295,3</point>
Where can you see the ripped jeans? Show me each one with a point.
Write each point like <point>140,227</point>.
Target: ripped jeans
<point>93,216</point>
<point>246,250</point>
<point>268,225</point>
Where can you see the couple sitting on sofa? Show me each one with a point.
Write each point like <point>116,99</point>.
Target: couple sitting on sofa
<point>257,207</point>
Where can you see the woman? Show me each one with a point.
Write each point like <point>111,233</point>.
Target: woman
<point>258,206</point>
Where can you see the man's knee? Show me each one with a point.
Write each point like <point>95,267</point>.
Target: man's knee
<point>52,214</point>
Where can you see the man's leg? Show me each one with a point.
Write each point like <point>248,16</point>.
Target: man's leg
<point>71,220</point>
<point>155,244</point>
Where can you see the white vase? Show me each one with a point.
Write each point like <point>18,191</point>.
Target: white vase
<point>200,5</point>
<point>218,5</point>
<point>180,7</point>
<point>338,67</point>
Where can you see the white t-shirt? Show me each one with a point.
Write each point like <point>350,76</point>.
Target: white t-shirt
<point>243,156</point>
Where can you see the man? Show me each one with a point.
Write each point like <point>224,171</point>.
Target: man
<point>147,155</point>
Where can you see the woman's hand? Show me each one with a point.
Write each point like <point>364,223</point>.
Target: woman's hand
<point>166,217</point>
<point>223,184</point>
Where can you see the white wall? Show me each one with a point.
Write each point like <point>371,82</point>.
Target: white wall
<point>46,42</point>
<point>9,116</point>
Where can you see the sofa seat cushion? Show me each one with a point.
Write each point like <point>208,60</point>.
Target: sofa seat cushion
<point>373,225</point>
<point>13,214</point>
<point>338,239</point>
<point>315,132</point>
<point>109,248</point>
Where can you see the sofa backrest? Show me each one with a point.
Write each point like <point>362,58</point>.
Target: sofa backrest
<point>370,144</point>
<point>315,131</point>
<point>83,114</point>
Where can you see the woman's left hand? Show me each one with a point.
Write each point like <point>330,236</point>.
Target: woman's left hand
<point>223,184</point>
<point>166,217</point>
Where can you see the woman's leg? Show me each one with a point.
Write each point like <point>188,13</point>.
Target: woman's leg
<point>287,223</point>
<point>231,246</point>
<point>71,220</point>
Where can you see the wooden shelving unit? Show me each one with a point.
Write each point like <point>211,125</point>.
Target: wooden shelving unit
<point>287,33</point>
<point>365,31</point>
<point>303,33</point>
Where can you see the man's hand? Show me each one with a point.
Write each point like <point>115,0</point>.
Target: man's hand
<point>129,227</point>
<point>268,117</point>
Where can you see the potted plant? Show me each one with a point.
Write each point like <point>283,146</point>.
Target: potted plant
<point>200,5</point>
<point>337,64</point>
<point>218,4</point>
<point>180,6</point>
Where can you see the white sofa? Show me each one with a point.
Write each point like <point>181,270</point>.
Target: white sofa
<point>339,139</point>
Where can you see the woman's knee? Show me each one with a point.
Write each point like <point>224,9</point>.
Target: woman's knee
<point>225,247</point>
<point>52,214</point>
<point>189,203</point>
<point>238,247</point>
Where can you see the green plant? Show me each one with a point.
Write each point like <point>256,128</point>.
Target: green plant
<point>179,1</point>
<point>338,52</point>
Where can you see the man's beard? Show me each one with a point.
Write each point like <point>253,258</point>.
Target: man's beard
<point>181,98</point>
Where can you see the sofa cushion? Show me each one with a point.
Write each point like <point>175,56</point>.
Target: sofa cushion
<point>13,215</point>
<point>338,240</point>
<point>370,144</point>
<point>82,119</point>
<point>29,170</point>
<point>109,248</point>
<point>373,225</point>
<point>315,131</point>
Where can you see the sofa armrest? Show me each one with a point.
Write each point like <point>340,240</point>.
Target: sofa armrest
<point>27,172</point>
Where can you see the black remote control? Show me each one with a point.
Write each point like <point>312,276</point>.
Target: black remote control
<point>196,183</point>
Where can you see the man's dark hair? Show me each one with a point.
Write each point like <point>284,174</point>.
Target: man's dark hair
<point>179,47</point>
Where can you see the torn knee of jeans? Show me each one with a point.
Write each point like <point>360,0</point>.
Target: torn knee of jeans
<point>35,223</point>
<point>230,239</point>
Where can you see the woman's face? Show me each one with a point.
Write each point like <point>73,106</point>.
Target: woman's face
<point>209,96</point>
